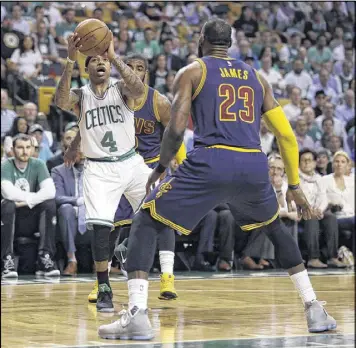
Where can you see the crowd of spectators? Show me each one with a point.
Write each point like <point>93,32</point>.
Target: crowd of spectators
<point>305,50</point>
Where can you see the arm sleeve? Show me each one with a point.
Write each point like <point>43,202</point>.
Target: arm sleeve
<point>12,193</point>
<point>181,154</point>
<point>46,191</point>
<point>288,147</point>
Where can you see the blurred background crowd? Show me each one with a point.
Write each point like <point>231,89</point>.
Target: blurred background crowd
<point>306,52</point>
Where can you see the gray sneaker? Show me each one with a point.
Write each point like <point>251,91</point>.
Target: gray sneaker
<point>133,325</point>
<point>317,318</point>
<point>121,254</point>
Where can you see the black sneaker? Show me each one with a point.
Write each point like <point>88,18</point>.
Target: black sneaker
<point>45,266</point>
<point>8,267</point>
<point>104,301</point>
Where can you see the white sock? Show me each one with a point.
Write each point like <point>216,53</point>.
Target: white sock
<point>138,293</point>
<point>302,284</point>
<point>166,259</point>
<point>109,266</point>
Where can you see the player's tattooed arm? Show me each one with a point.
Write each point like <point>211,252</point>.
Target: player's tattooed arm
<point>180,110</point>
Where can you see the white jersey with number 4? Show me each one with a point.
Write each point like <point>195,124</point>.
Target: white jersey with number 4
<point>107,125</point>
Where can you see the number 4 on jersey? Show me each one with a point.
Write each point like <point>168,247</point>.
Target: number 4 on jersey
<point>108,141</point>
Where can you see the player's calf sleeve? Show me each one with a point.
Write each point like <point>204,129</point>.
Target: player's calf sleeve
<point>112,239</point>
<point>167,240</point>
<point>286,248</point>
<point>142,242</point>
<point>100,243</point>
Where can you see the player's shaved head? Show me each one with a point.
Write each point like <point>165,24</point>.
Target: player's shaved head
<point>217,32</point>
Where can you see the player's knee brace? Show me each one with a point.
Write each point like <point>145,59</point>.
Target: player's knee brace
<point>286,248</point>
<point>100,243</point>
<point>142,242</point>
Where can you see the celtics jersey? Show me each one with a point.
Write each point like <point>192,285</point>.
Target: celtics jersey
<point>106,124</point>
<point>27,180</point>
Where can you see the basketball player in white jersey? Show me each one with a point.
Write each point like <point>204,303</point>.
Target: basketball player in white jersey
<point>112,168</point>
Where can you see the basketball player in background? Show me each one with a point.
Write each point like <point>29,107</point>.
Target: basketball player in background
<point>112,168</point>
<point>227,99</point>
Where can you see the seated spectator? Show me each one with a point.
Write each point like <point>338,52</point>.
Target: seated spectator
<point>71,209</point>
<point>45,44</point>
<point>328,132</point>
<point>301,130</point>
<point>124,43</point>
<point>243,51</point>
<point>315,192</point>
<point>173,61</point>
<point>339,51</point>
<point>18,22</point>
<point>323,164</point>
<point>346,75</point>
<point>320,99</point>
<point>39,17</point>
<point>319,53</point>
<point>149,47</point>
<point>66,27</point>
<point>299,77</point>
<point>305,103</point>
<point>206,229</point>
<point>349,57</point>
<point>333,81</point>
<point>19,126</point>
<point>45,153</point>
<point>159,73</point>
<point>25,60</point>
<point>324,76</point>
<point>167,88</point>
<point>57,160</point>
<point>246,22</point>
<point>313,130</point>
<point>28,192</point>
<point>52,13</point>
<point>226,236</point>
<point>340,191</point>
<point>273,77</point>
<point>335,144</point>
<point>266,137</point>
<point>292,109</point>
<point>329,113</point>
<point>7,116</point>
<point>346,111</point>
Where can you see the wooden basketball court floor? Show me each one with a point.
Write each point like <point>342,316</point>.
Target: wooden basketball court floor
<point>243,309</point>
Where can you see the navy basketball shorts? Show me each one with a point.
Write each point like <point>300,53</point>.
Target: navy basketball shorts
<point>208,177</point>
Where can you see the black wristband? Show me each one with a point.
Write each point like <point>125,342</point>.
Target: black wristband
<point>293,187</point>
<point>160,168</point>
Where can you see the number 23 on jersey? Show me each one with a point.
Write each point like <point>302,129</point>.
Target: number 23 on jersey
<point>245,93</point>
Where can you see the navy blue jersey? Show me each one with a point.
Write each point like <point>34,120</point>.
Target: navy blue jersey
<point>148,128</point>
<point>227,104</point>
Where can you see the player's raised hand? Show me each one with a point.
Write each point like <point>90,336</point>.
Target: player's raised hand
<point>154,176</point>
<point>111,51</point>
<point>303,207</point>
<point>73,46</point>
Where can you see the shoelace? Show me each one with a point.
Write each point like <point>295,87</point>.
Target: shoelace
<point>9,263</point>
<point>124,317</point>
<point>48,263</point>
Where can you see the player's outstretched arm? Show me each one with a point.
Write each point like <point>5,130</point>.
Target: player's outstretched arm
<point>180,110</point>
<point>66,98</point>
<point>288,148</point>
<point>134,87</point>
<point>164,114</point>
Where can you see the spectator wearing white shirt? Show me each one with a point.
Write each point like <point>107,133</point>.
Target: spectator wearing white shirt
<point>52,12</point>
<point>18,23</point>
<point>273,77</point>
<point>340,191</point>
<point>266,137</point>
<point>322,85</point>
<point>301,130</point>
<point>311,184</point>
<point>339,51</point>
<point>299,77</point>
<point>292,109</point>
<point>346,75</point>
<point>346,111</point>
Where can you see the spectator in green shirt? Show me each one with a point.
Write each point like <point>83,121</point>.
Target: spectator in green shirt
<point>27,206</point>
<point>319,53</point>
<point>67,27</point>
<point>149,47</point>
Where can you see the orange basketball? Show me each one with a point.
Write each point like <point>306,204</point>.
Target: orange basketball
<point>94,36</point>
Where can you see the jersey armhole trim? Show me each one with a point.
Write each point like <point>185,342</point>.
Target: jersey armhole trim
<point>202,80</point>
<point>259,80</point>
<point>122,98</point>
<point>139,107</point>
<point>81,107</point>
<point>155,106</point>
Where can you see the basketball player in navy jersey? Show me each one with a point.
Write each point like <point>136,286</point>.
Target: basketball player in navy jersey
<point>152,114</point>
<point>227,99</point>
